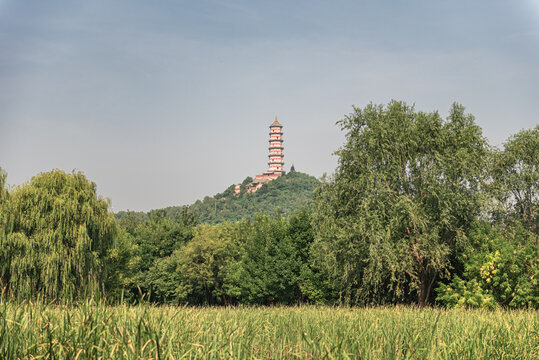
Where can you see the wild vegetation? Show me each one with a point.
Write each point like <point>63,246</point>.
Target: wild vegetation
<point>93,331</point>
<point>420,210</point>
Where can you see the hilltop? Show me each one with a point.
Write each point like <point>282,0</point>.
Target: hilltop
<point>286,193</point>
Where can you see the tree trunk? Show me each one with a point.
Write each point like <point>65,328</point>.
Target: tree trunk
<point>426,279</point>
<point>422,296</point>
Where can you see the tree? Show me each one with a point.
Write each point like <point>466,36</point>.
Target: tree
<point>501,268</point>
<point>500,265</point>
<point>205,264</point>
<point>123,261</point>
<point>402,198</point>
<point>199,271</point>
<point>57,236</point>
<point>270,265</point>
<point>155,237</point>
<point>312,285</point>
<point>516,179</point>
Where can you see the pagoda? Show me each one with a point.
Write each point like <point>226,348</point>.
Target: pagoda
<point>275,158</point>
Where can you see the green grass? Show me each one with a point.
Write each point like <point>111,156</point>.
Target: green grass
<point>90,331</point>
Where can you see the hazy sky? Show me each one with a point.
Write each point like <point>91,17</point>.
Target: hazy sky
<point>163,102</point>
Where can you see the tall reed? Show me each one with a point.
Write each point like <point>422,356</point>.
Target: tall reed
<point>94,330</point>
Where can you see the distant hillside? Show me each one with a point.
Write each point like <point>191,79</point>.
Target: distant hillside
<point>287,193</point>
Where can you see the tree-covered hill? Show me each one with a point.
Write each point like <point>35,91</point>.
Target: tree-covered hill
<point>287,194</point>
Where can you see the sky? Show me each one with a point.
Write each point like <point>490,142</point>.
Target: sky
<point>164,102</point>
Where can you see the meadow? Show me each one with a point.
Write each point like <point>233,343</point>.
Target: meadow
<point>97,331</point>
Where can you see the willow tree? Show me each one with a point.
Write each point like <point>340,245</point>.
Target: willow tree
<point>57,236</point>
<point>405,190</point>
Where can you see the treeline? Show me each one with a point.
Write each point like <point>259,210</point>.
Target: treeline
<point>419,210</point>
<point>287,193</point>
<point>263,261</point>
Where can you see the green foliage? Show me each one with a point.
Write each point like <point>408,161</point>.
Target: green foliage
<point>122,261</point>
<point>270,264</point>
<point>205,265</point>
<point>288,193</point>
<point>276,264</point>
<point>516,179</point>
<point>500,269</point>
<point>198,271</point>
<point>265,261</point>
<point>155,238</point>
<point>312,280</point>
<point>500,265</point>
<point>130,219</point>
<point>227,193</point>
<point>465,294</point>
<point>405,191</point>
<point>246,181</point>
<point>57,237</point>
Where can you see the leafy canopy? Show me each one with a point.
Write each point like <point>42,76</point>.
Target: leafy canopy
<point>405,190</point>
<point>516,179</point>
<point>57,235</point>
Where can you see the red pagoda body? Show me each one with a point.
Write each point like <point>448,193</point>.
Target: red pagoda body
<point>275,159</point>
<point>276,156</point>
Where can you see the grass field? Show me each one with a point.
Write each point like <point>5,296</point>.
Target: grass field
<point>32,331</point>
